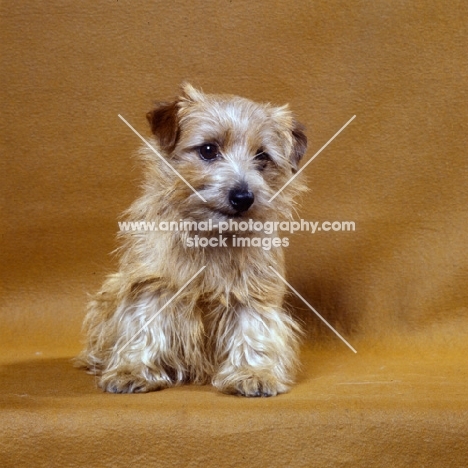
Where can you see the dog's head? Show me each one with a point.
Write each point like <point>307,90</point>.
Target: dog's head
<point>236,154</point>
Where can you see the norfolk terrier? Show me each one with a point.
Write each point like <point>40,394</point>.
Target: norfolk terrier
<point>175,313</point>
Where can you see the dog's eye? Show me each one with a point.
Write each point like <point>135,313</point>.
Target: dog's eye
<point>262,156</point>
<point>208,152</point>
<point>262,159</point>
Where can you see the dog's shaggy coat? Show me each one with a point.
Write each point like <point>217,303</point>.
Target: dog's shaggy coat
<point>228,325</point>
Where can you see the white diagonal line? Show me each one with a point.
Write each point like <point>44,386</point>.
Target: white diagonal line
<point>161,309</point>
<point>314,311</point>
<point>312,158</point>
<point>160,157</point>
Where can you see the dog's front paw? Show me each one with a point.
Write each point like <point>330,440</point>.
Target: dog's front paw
<point>124,382</point>
<point>251,383</point>
<point>257,386</point>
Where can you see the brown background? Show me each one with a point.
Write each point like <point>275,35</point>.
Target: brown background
<point>396,288</point>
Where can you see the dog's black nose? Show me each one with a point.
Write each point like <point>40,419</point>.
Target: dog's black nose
<point>241,199</point>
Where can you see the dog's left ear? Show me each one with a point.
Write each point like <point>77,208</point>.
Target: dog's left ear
<point>164,124</point>
<point>299,145</point>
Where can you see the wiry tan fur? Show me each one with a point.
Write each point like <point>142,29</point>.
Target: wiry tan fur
<point>228,326</point>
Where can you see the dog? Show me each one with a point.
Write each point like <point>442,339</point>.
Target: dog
<point>176,313</point>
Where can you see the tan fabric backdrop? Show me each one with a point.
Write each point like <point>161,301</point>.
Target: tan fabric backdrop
<point>399,171</point>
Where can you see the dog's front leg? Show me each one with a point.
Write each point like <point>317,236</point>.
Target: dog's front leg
<point>256,352</point>
<point>156,345</point>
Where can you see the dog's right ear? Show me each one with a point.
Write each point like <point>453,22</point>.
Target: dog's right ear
<point>164,124</point>
<point>190,94</point>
